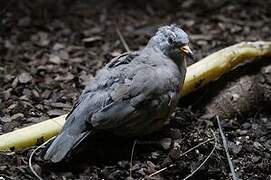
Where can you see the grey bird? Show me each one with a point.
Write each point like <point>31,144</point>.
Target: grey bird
<point>133,95</point>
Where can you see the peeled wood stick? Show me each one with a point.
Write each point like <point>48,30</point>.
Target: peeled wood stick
<point>213,66</point>
<point>208,69</point>
<point>31,135</point>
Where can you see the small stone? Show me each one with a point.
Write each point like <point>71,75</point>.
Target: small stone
<point>25,78</point>
<point>27,92</point>
<point>36,120</point>
<point>257,145</point>
<point>234,147</point>
<point>151,166</point>
<point>46,94</point>
<point>84,177</point>
<point>37,168</point>
<point>154,155</point>
<point>175,152</point>
<point>267,144</point>
<point>64,55</point>
<point>55,112</point>
<point>165,143</point>
<point>35,93</point>
<point>55,59</point>
<point>92,39</point>
<point>12,107</point>
<point>40,39</point>
<point>255,126</point>
<point>58,46</point>
<point>238,143</point>
<point>88,42</point>
<point>15,82</point>
<point>2,168</point>
<point>24,22</point>
<point>264,120</point>
<point>16,116</point>
<point>60,105</point>
<point>76,60</point>
<point>115,53</point>
<point>69,76</point>
<point>9,126</point>
<point>123,164</point>
<point>129,178</point>
<point>243,132</point>
<point>235,97</point>
<point>256,158</point>
<point>135,167</point>
<point>5,119</point>
<point>6,94</point>
<point>246,125</point>
<point>268,125</point>
<point>85,78</point>
<point>9,45</point>
<point>175,133</point>
<point>8,77</point>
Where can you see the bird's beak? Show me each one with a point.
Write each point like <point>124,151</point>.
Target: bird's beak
<point>187,51</point>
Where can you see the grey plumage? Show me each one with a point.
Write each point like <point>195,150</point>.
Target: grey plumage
<point>133,95</point>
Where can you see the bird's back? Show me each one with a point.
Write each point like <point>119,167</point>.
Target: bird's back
<point>132,95</point>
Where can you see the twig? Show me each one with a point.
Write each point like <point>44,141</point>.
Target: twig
<point>123,40</point>
<point>131,159</point>
<point>204,160</point>
<point>8,152</point>
<point>224,141</point>
<point>196,146</point>
<point>160,170</point>
<point>165,168</point>
<point>31,156</point>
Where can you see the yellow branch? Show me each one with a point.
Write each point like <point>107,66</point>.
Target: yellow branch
<point>213,66</point>
<point>31,135</point>
<point>208,69</point>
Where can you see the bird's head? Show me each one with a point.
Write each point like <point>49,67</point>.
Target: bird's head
<point>173,42</point>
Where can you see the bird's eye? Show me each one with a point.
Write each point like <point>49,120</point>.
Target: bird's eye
<point>170,40</point>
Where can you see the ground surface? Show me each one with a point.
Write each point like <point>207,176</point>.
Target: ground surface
<point>50,50</point>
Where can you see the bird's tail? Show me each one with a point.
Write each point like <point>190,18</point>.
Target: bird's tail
<point>62,145</point>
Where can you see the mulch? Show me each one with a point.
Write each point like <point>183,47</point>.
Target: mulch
<point>49,51</point>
